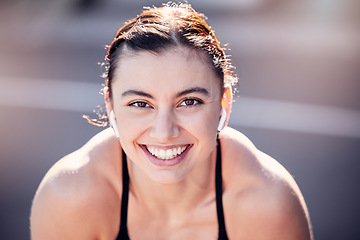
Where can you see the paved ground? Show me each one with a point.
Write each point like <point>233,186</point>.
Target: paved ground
<point>298,94</point>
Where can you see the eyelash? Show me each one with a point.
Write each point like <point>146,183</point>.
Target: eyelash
<point>184,103</point>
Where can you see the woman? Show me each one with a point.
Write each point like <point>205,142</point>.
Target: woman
<point>168,168</point>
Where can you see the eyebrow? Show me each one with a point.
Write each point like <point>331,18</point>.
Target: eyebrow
<point>193,90</point>
<point>182,93</point>
<point>136,92</point>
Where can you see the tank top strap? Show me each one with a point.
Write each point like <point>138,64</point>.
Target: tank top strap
<point>123,232</point>
<point>219,193</point>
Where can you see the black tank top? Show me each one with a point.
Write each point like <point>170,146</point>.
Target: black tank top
<point>123,232</point>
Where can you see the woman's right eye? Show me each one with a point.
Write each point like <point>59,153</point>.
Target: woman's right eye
<point>139,104</point>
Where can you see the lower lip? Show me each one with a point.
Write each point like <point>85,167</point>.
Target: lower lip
<point>166,162</point>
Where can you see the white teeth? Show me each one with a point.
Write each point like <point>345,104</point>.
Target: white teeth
<point>166,154</point>
<point>169,154</point>
<point>162,154</point>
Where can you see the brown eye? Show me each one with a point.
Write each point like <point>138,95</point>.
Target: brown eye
<point>190,102</point>
<point>139,104</point>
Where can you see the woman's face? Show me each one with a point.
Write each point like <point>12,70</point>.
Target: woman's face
<point>167,107</point>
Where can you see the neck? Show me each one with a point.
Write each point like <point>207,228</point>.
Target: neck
<point>195,189</point>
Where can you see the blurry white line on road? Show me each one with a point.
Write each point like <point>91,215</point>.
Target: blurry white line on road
<point>50,94</point>
<point>249,112</point>
<point>299,117</point>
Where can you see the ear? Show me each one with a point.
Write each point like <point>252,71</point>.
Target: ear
<point>226,102</point>
<point>108,102</point>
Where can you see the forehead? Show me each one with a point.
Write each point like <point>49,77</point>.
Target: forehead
<point>172,69</point>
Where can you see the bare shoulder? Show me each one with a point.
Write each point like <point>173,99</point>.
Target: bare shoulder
<point>261,199</point>
<point>68,201</point>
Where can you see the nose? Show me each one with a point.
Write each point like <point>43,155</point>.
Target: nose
<point>164,126</point>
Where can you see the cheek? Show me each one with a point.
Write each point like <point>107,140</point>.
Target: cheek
<point>203,124</point>
<point>131,126</point>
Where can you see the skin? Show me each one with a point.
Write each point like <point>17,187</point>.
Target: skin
<point>79,198</point>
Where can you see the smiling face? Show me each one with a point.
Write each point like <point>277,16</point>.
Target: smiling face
<point>167,108</point>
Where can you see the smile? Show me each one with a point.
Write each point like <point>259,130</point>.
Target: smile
<point>166,154</point>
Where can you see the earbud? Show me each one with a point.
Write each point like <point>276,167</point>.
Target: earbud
<point>222,120</point>
<point>112,121</point>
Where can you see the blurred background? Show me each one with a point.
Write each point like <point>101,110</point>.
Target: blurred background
<point>298,95</point>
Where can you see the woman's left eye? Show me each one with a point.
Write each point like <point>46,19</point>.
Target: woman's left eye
<point>190,102</point>
<point>139,104</point>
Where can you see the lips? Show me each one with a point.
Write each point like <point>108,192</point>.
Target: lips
<point>166,156</point>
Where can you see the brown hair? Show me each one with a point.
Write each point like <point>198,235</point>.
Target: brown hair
<point>158,29</point>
